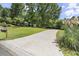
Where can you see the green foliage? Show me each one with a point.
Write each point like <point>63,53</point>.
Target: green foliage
<point>5,12</point>
<point>1,10</point>
<point>19,21</point>
<point>1,19</point>
<point>8,20</point>
<point>35,14</point>
<point>40,14</point>
<point>16,9</point>
<point>69,52</point>
<point>57,24</point>
<point>70,38</point>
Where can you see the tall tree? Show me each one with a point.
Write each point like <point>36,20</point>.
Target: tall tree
<point>16,9</point>
<point>30,12</point>
<point>4,14</point>
<point>0,10</point>
<point>42,13</point>
<point>17,12</point>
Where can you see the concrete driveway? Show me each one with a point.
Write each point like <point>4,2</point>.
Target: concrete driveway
<point>40,44</point>
<point>4,52</point>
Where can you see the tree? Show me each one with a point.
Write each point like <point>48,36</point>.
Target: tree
<point>0,10</point>
<point>4,14</point>
<point>30,13</point>
<point>17,11</point>
<point>42,13</point>
<point>35,14</point>
<point>1,13</point>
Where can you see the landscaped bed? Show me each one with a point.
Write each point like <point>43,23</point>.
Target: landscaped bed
<point>17,32</point>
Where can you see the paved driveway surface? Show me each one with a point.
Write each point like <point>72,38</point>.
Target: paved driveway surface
<point>40,44</point>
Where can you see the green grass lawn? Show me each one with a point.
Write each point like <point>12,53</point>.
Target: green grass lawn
<point>17,32</point>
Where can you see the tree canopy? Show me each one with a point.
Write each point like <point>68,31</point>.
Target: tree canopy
<point>35,14</point>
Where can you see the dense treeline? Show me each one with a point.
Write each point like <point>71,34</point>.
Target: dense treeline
<point>31,14</point>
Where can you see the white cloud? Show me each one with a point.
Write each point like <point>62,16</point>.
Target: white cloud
<point>69,13</point>
<point>77,10</point>
<point>63,6</point>
<point>72,10</point>
<point>72,5</point>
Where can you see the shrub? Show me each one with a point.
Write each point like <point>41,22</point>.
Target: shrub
<point>72,38</point>
<point>58,24</point>
<point>18,21</point>
<point>10,25</point>
<point>69,38</point>
<point>2,19</point>
<point>8,20</point>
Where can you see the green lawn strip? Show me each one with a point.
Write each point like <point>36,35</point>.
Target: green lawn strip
<point>17,32</point>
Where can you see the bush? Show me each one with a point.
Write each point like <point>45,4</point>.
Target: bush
<point>18,21</point>
<point>72,38</point>
<point>2,19</point>
<point>10,25</point>
<point>58,24</point>
<point>69,38</point>
<point>0,24</point>
<point>8,20</point>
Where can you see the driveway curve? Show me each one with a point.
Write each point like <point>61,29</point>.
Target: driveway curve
<point>39,44</point>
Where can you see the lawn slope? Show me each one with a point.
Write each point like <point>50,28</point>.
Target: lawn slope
<point>17,32</point>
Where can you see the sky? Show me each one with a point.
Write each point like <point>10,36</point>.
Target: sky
<point>6,5</point>
<point>68,9</point>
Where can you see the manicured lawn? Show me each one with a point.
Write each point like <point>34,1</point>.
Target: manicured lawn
<point>17,32</point>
